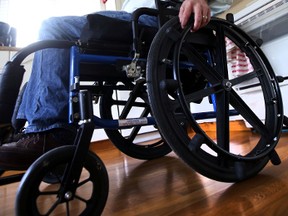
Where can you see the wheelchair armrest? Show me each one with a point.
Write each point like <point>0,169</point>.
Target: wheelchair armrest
<point>135,30</point>
<point>165,10</point>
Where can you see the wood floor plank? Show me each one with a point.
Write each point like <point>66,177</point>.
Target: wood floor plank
<point>168,187</point>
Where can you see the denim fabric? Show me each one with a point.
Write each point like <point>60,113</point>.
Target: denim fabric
<point>45,101</point>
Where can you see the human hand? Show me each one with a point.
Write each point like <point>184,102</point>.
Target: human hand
<point>201,11</point>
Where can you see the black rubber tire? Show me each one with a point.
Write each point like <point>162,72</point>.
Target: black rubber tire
<point>171,96</point>
<point>33,192</point>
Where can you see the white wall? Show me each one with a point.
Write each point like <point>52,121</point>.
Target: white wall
<point>26,16</point>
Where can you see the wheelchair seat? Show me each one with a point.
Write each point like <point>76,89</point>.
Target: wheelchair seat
<point>98,36</point>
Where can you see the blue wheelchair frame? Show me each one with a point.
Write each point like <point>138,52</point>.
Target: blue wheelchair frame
<point>86,110</point>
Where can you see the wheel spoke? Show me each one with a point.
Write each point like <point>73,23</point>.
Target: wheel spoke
<point>207,70</point>
<point>67,209</point>
<point>202,93</point>
<point>243,78</point>
<point>222,120</point>
<point>84,182</point>
<point>80,198</point>
<point>48,192</point>
<point>222,99</point>
<point>221,53</point>
<point>53,207</point>
<point>247,113</point>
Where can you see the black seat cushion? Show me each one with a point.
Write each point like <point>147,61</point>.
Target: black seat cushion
<point>103,28</point>
<point>107,34</point>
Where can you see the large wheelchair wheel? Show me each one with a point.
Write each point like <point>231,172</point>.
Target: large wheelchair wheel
<point>131,101</point>
<point>36,197</point>
<point>177,54</point>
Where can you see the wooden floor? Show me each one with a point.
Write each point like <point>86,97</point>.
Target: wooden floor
<point>167,186</point>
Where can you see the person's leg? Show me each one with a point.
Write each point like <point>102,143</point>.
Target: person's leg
<point>45,101</point>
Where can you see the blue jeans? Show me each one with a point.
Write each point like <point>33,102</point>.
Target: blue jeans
<point>45,100</point>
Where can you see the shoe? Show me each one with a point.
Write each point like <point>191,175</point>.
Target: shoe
<point>6,134</point>
<point>21,154</point>
<point>9,135</point>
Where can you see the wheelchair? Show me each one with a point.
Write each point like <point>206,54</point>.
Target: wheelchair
<point>169,71</point>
